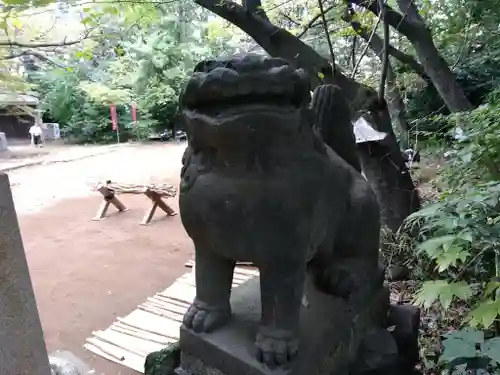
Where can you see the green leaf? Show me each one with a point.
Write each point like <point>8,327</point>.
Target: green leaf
<point>429,210</point>
<point>491,349</point>
<point>491,287</point>
<point>460,290</point>
<point>461,344</point>
<point>16,23</point>
<point>434,245</point>
<point>466,236</point>
<point>87,20</point>
<point>484,314</point>
<point>112,10</point>
<point>467,334</point>
<point>442,291</point>
<point>450,258</point>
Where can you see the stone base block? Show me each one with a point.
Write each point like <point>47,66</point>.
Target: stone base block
<point>330,333</point>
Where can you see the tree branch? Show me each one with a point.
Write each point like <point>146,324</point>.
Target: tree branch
<point>281,43</point>
<point>372,34</point>
<point>314,19</point>
<point>288,18</point>
<point>353,50</point>
<point>462,48</point>
<point>327,34</point>
<point>13,43</point>
<point>385,56</point>
<point>377,42</point>
<point>411,13</point>
<point>255,7</point>
<point>38,55</point>
<point>394,18</point>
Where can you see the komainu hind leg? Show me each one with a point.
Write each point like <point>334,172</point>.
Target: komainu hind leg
<point>350,279</point>
<point>355,279</point>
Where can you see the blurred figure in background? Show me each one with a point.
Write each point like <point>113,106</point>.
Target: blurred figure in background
<point>36,134</point>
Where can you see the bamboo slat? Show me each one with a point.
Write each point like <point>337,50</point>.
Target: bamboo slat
<point>153,325</point>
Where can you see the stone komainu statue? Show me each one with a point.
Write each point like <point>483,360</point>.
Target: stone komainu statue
<point>260,183</point>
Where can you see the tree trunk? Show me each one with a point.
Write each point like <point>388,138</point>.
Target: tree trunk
<point>435,66</point>
<point>412,25</point>
<point>397,198</point>
<point>385,168</point>
<point>443,79</point>
<point>395,103</point>
<point>397,108</point>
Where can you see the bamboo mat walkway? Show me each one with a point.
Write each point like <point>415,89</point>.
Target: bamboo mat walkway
<point>154,324</point>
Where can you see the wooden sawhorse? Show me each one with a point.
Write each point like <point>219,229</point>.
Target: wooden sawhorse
<point>154,192</point>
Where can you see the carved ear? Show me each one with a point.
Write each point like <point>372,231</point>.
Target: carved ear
<point>186,160</point>
<point>186,157</point>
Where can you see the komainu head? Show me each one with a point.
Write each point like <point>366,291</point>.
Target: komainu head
<point>243,91</point>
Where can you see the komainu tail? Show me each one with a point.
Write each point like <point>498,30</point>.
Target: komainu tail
<point>333,121</point>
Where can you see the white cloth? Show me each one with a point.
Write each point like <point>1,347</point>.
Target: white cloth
<point>35,130</point>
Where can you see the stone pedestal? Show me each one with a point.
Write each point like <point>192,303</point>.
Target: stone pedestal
<point>3,142</point>
<point>330,333</point>
<point>22,347</point>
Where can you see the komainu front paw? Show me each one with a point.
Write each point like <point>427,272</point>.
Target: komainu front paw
<point>276,347</point>
<point>202,317</point>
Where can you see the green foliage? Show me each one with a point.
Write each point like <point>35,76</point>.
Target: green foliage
<point>465,34</point>
<point>468,350</point>
<point>442,291</point>
<point>477,157</point>
<point>146,64</point>
<point>164,361</point>
<point>141,129</point>
<point>82,117</point>
<point>459,234</point>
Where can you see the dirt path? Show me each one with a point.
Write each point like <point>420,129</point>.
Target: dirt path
<point>87,273</point>
<point>21,156</point>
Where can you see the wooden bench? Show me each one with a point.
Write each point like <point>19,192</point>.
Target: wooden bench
<point>155,193</point>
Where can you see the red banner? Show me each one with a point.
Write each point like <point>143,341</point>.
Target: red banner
<point>134,112</point>
<point>114,119</point>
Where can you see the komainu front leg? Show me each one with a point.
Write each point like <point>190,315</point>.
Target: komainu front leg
<point>281,294</point>
<point>211,308</point>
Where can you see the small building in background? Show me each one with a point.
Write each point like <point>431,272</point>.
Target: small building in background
<point>18,112</point>
<point>51,131</point>
<point>3,142</point>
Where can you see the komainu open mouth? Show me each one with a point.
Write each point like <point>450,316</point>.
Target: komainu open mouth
<point>247,80</point>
